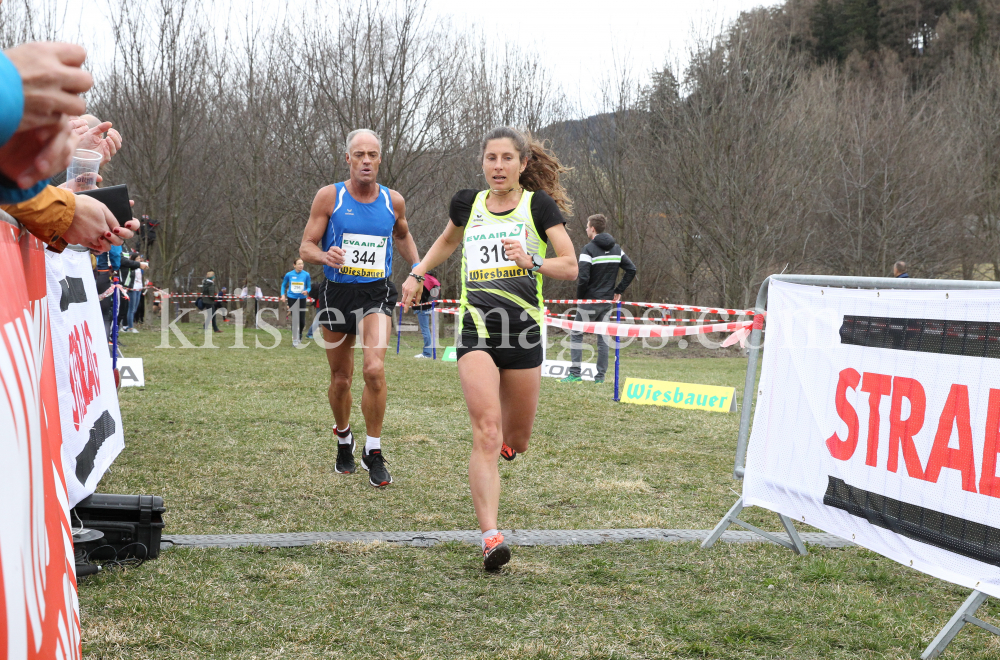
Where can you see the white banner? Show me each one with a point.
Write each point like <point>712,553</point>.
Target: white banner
<point>88,402</point>
<point>878,420</point>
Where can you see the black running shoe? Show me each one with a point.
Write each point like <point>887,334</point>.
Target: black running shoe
<point>345,458</point>
<point>374,462</point>
<point>496,553</point>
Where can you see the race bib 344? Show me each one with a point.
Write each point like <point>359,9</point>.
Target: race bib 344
<point>365,255</point>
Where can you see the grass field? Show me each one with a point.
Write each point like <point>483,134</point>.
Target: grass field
<point>238,441</point>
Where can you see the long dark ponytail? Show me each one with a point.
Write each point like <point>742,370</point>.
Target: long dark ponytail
<point>543,166</point>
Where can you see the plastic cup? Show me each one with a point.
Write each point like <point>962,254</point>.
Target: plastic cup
<point>82,172</point>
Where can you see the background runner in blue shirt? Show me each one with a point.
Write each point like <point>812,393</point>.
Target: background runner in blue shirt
<point>295,289</point>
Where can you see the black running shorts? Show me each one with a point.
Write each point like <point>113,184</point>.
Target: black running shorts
<point>342,304</point>
<point>512,357</point>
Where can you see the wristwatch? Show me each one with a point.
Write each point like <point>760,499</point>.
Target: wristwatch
<point>537,260</point>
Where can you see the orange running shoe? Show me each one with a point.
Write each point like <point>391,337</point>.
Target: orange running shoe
<point>496,553</point>
<point>507,453</point>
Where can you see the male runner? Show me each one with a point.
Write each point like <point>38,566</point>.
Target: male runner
<point>357,222</point>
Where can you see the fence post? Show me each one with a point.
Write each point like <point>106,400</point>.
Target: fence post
<point>114,323</point>
<point>545,335</point>
<point>618,319</point>
<point>434,336</point>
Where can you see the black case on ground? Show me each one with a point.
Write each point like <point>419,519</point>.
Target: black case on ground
<point>127,521</point>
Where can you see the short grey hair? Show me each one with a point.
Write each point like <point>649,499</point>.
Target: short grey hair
<point>358,131</point>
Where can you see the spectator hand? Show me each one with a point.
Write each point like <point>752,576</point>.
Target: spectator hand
<point>52,81</point>
<point>94,139</point>
<point>68,185</point>
<point>95,227</point>
<point>37,154</point>
<point>617,297</point>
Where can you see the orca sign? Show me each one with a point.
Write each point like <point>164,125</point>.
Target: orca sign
<point>560,369</point>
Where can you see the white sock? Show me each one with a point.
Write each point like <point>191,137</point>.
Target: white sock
<point>340,437</point>
<point>372,443</point>
<point>487,534</point>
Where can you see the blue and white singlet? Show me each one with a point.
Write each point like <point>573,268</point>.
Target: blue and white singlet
<point>364,232</point>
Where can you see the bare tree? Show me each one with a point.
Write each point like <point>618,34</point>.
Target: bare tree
<point>971,95</point>
<point>886,193</point>
<point>157,91</point>
<point>739,183</point>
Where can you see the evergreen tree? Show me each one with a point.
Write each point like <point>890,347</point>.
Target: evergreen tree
<point>826,25</point>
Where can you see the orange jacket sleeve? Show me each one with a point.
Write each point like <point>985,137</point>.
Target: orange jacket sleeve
<point>47,215</point>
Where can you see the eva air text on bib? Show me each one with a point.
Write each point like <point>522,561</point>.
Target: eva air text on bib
<point>365,255</point>
<point>484,254</point>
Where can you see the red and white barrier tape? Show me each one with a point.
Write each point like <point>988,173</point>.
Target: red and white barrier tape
<point>227,297</point>
<point>741,335</point>
<point>121,289</point>
<point>647,319</point>
<point>634,329</point>
<point>680,308</point>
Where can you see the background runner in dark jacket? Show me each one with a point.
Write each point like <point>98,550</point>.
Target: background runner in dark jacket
<point>600,262</point>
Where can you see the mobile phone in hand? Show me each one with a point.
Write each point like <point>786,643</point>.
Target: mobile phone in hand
<point>115,198</point>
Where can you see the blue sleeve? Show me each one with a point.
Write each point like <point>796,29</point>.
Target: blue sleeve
<point>11,99</point>
<point>284,283</point>
<point>11,194</point>
<point>309,285</point>
<point>115,255</point>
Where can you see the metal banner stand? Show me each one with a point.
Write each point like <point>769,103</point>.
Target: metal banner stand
<point>967,610</point>
<point>958,620</point>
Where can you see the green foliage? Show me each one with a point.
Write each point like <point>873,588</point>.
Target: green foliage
<point>820,570</point>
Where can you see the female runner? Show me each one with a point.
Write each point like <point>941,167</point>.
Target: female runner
<point>504,231</point>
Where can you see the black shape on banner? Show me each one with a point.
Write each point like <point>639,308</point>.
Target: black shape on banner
<point>103,429</point>
<point>963,537</point>
<point>72,292</point>
<point>979,339</point>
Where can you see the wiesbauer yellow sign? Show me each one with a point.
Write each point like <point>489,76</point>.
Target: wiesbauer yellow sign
<point>679,395</point>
